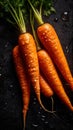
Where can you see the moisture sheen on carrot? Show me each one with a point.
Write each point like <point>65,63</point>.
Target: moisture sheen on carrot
<point>29,54</point>
<point>23,80</point>
<point>51,42</point>
<point>48,69</point>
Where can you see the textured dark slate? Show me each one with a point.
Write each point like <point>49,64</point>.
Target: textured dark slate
<point>10,92</point>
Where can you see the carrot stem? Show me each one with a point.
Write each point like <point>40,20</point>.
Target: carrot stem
<point>18,17</point>
<point>33,31</point>
<point>37,15</point>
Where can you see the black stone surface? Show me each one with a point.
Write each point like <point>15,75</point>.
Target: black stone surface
<point>10,92</point>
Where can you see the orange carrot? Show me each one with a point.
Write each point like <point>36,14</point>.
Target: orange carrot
<point>23,80</point>
<point>51,42</point>
<point>29,53</point>
<point>48,69</point>
<point>45,88</point>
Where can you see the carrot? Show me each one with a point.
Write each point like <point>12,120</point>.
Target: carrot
<point>51,43</point>
<point>29,54</point>
<point>23,80</point>
<point>48,69</point>
<point>27,45</point>
<point>45,88</point>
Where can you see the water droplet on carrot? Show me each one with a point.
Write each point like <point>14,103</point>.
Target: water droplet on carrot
<point>23,43</point>
<point>46,40</point>
<point>35,80</point>
<point>25,54</point>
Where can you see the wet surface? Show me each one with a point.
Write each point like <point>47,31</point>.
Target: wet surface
<point>10,92</point>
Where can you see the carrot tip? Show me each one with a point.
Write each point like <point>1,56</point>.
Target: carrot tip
<point>44,107</point>
<point>24,122</point>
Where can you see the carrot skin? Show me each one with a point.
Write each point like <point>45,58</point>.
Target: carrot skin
<point>45,88</point>
<point>48,69</point>
<point>23,80</point>
<point>51,42</point>
<point>29,54</point>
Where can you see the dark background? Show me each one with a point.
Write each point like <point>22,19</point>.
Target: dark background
<point>10,92</point>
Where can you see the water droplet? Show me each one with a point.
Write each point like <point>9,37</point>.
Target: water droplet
<point>11,85</point>
<point>46,122</point>
<point>56,19</point>
<point>65,16</point>
<point>34,99</point>
<point>0,74</point>
<point>46,40</point>
<point>67,49</point>
<point>43,34</point>
<point>34,103</point>
<point>35,80</point>
<point>6,45</point>
<point>6,103</point>
<point>13,94</point>
<point>45,37</point>
<point>23,43</point>
<point>40,108</point>
<point>25,54</point>
<point>43,117</point>
<point>35,125</point>
<point>39,112</point>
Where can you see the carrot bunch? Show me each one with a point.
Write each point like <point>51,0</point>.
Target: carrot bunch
<point>26,64</point>
<point>48,69</point>
<point>50,41</point>
<point>35,65</point>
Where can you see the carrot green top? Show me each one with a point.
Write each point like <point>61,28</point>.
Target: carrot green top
<point>13,9</point>
<point>48,9</point>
